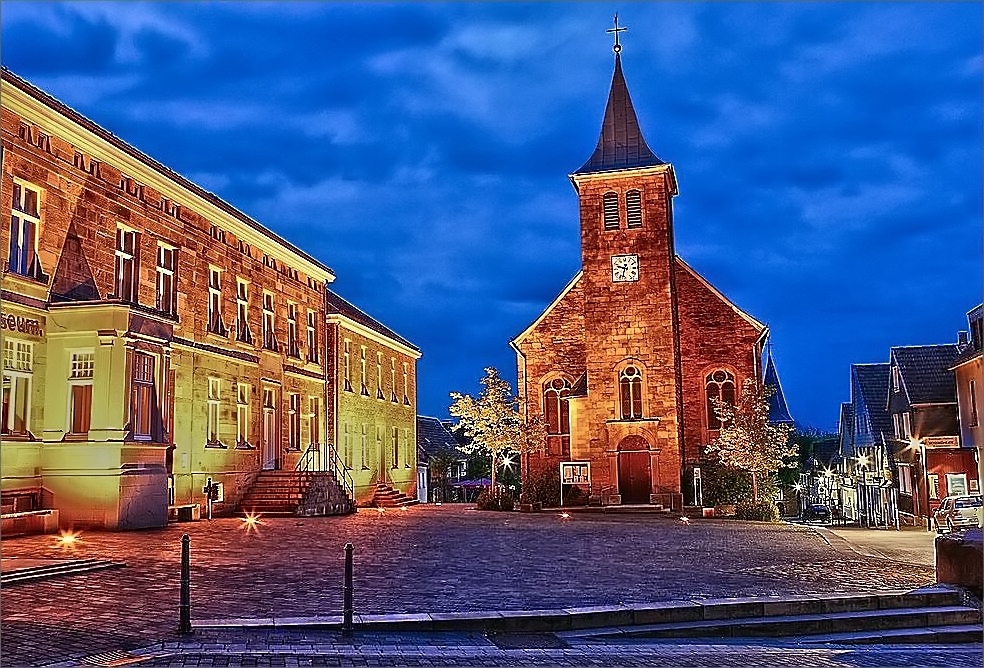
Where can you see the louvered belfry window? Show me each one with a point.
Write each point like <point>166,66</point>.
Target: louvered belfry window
<point>611,210</point>
<point>633,208</point>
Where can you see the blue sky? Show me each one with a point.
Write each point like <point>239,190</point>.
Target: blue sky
<point>828,154</point>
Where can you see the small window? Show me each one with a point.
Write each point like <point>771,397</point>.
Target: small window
<point>633,209</point>
<point>630,393</point>
<point>44,142</point>
<point>79,161</point>
<point>610,200</point>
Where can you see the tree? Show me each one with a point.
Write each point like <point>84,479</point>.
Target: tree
<point>493,423</point>
<point>747,439</point>
<point>442,463</point>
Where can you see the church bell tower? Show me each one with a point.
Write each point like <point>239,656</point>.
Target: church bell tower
<point>634,415</point>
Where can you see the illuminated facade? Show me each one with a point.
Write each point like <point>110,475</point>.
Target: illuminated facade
<point>624,363</point>
<point>154,337</point>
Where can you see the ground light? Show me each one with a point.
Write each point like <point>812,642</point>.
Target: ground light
<point>68,539</point>
<point>565,516</point>
<point>685,519</point>
<point>251,522</point>
<point>380,510</point>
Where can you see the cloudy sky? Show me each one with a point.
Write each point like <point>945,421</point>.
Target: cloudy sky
<point>828,155</point>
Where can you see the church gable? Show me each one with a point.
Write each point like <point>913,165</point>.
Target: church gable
<point>553,344</point>
<point>715,336</point>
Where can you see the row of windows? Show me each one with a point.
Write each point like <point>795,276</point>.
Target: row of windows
<point>612,214</point>
<point>37,137</point>
<point>268,332</point>
<point>23,259</point>
<point>398,446</point>
<point>363,371</point>
<point>297,412</point>
<point>719,385</point>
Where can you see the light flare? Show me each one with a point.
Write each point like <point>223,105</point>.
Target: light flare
<point>565,516</point>
<point>68,538</point>
<point>251,522</point>
<point>685,519</point>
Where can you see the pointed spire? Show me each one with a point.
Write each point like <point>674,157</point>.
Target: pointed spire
<point>778,411</point>
<point>621,144</point>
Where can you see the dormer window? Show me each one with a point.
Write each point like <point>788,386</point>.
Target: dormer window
<point>610,201</point>
<point>895,379</point>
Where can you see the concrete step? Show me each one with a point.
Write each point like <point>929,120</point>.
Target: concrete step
<point>798,625</point>
<point>949,634</point>
<point>73,567</point>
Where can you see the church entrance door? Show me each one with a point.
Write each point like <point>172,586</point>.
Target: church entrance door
<point>634,470</point>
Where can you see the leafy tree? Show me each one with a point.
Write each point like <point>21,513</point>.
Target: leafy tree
<point>747,439</point>
<point>493,423</point>
<point>443,463</point>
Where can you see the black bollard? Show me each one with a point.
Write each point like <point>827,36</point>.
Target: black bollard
<point>184,609</point>
<point>347,592</point>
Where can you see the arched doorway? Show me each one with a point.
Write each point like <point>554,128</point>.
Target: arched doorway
<point>635,480</point>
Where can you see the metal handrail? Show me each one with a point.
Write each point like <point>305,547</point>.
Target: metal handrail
<point>323,457</point>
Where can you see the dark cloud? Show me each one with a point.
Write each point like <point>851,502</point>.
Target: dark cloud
<point>828,154</point>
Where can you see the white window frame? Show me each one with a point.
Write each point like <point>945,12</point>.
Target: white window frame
<point>213,407</point>
<point>20,220</point>
<point>365,444</point>
<point>215,324</point>
<point>81,369</point>
<point>393,396</point>
<point>167,268</point>
<point>406,384</point>
<point>242,311</point>
<point>293,345</point>
<point>396,447</point>
<point>312,336</point>
<point>269,320</point>
<point>293,421</point>
<point>347,444</point>
<point>314,417</point>
<point>18,368</point>
<point>124,257</point>
<point>347,366</point>
<point>242,413</point>
<point>379,377</point>
<point>362,362</point>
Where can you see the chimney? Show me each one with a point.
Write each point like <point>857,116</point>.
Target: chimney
<point>962,338</point>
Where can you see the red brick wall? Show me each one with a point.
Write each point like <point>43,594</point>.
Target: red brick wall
<point>712,336</point>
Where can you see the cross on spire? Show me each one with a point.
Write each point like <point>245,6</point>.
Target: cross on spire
<point>616,30</point>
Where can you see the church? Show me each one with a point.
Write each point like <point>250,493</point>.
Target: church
<point>623,364</point>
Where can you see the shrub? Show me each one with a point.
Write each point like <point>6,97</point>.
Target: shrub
<point>543,486</point>
<point>763,511</point>
<point>724,485</point>
<point>489,501</point>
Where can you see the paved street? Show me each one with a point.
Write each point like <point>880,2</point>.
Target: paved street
<point>912,545</point>
<point>448,558</point>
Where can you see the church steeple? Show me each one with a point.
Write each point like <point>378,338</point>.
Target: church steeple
<point>778,411</point>
<point>621,144</point>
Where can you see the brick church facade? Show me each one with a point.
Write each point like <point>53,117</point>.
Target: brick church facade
<point>623,363</point>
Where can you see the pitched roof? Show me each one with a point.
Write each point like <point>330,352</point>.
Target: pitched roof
<point>334,304</point>
<point>872,383</point>
<point>845,427</point>
<point>778,411</point>
<point>621,144</point>
<point>433,437</point>
<point>826,449</point>
<point>926,372</point>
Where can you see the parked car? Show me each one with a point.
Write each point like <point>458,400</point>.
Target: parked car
<point>958,512</point>
<point>816,511</point>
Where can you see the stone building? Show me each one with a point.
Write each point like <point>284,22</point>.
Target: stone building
<point>155,339</point>
<point>624,362</point>
<point>374,400</point>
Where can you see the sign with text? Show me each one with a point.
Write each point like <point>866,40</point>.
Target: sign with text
<point>575,473</point>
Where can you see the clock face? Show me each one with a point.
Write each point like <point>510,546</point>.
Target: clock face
<point>625,268</point>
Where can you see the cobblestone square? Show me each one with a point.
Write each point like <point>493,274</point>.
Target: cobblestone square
<point>426,559</point>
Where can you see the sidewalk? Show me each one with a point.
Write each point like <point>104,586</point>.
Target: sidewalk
<point>911,545</point>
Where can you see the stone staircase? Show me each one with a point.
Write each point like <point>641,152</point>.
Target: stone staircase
<point>386,496</point>
<point>291,493</point>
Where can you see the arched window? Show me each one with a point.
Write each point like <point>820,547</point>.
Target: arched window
<point>611,210</point>
<point>557,416</point>
<point>719,384</point>
<point>630,393</point>
<point>633,208</point>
